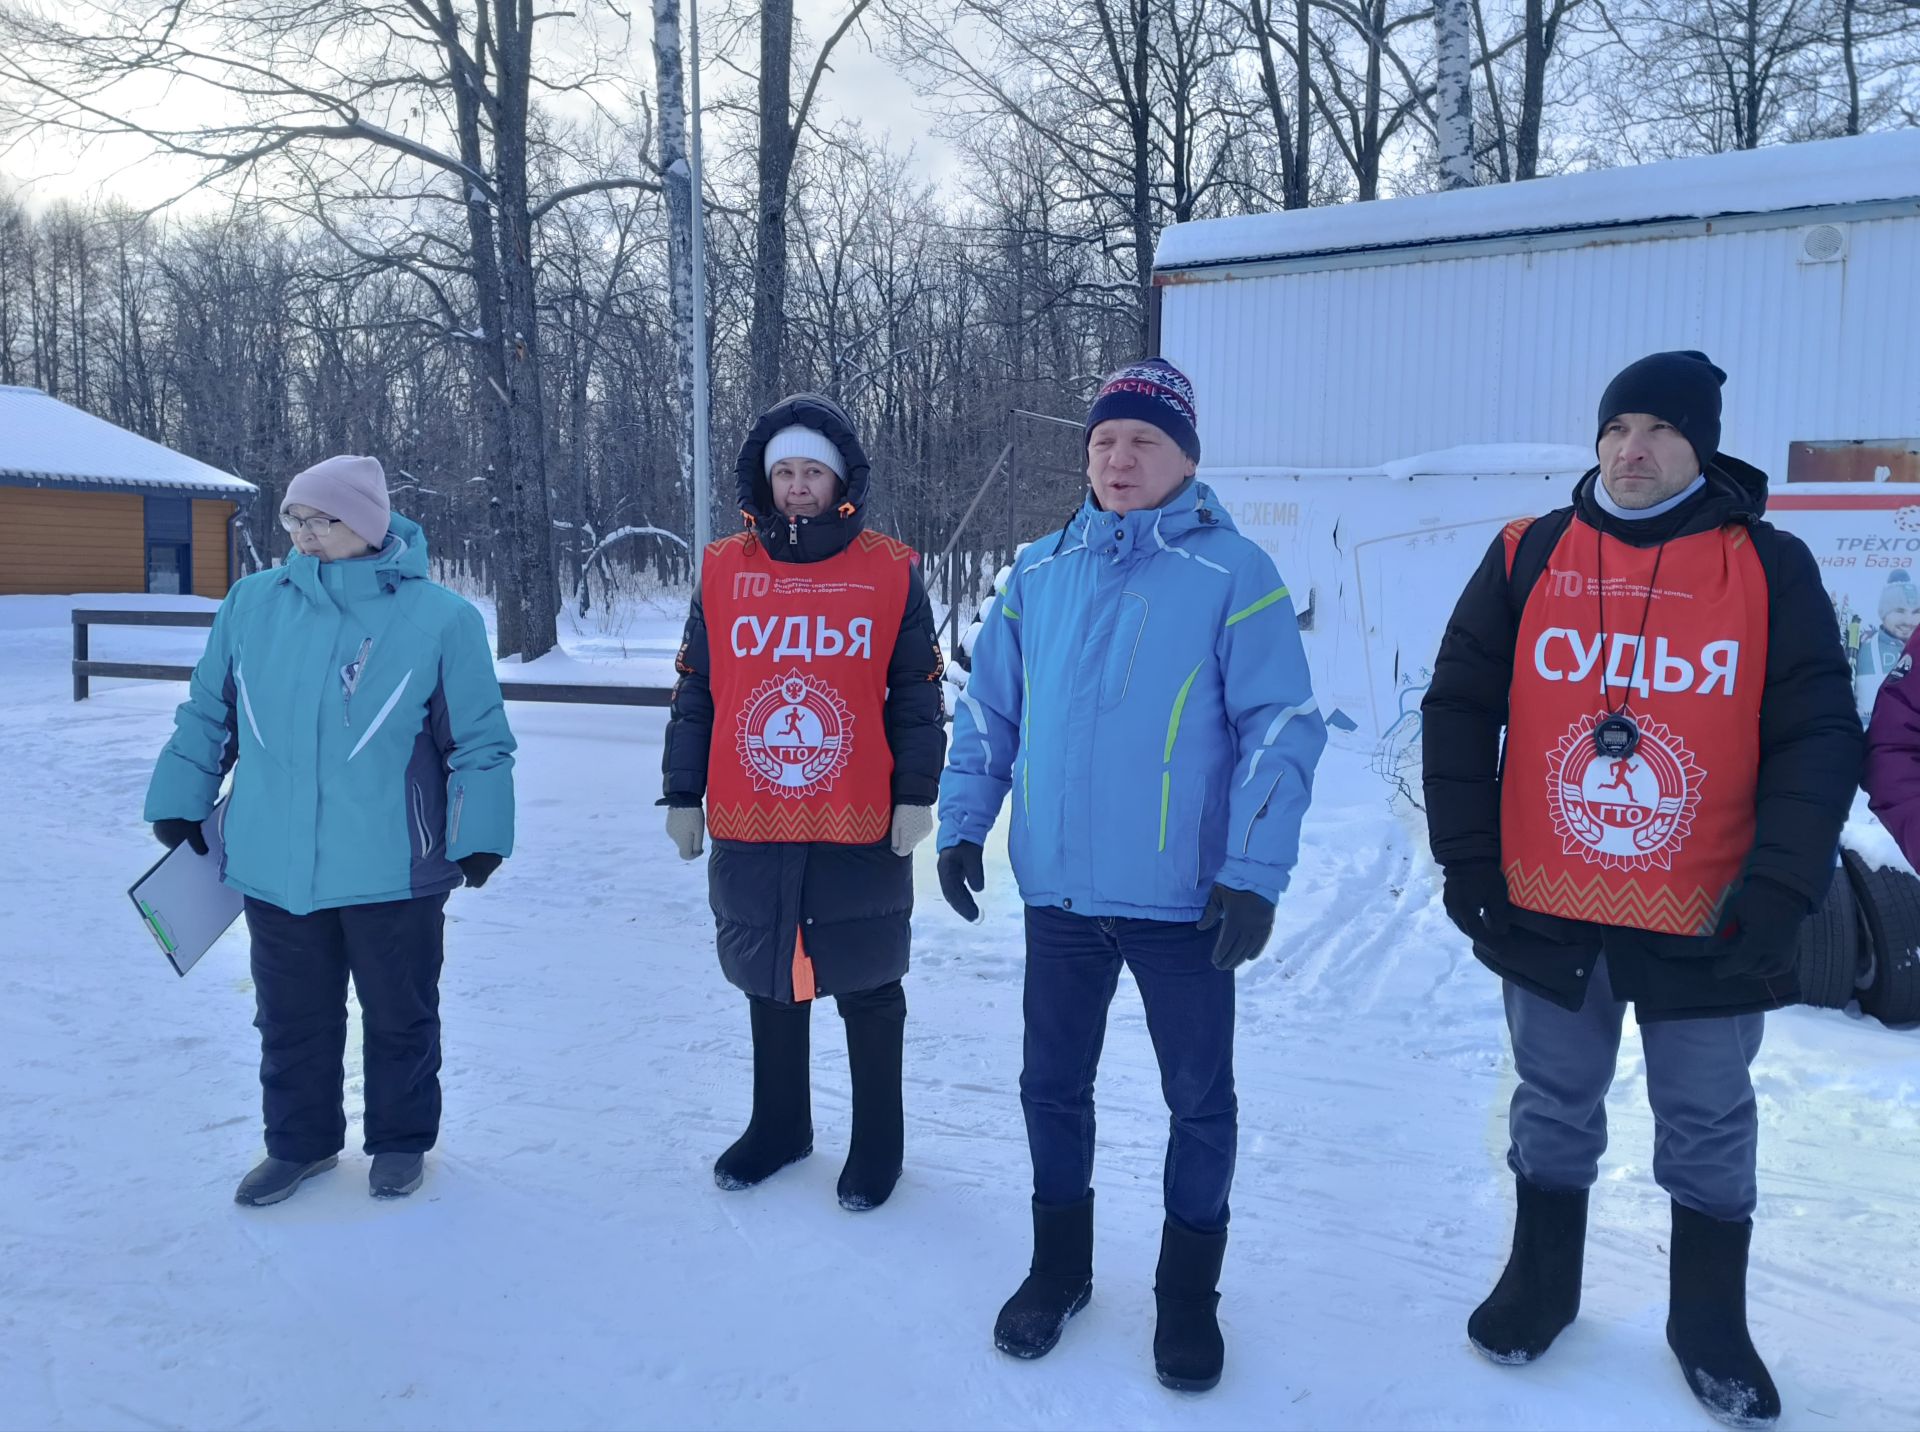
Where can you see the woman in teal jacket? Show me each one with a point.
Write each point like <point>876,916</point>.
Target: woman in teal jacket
<point>355,702</point>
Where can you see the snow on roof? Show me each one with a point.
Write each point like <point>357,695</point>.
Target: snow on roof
<point>1468,460</point>
<point>1493,460</point>
<point>46,441</point>
<point>1860,169</point>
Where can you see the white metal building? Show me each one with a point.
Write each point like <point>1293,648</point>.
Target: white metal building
<point>1345,337</point>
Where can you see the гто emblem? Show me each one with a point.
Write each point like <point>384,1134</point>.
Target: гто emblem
<point>1628,812</point>
<point>795,735</point>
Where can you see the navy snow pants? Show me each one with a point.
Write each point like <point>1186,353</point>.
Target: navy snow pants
<point>1073,967</point>
<point>300,969</point>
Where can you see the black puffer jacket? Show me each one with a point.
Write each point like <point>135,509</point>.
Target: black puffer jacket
<point>1811,750</point>
<point>854,900</point>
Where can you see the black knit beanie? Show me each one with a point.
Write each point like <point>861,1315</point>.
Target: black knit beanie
<point>1681,387</point>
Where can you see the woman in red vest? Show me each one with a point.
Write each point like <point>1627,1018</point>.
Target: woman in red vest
<point>808,717</point>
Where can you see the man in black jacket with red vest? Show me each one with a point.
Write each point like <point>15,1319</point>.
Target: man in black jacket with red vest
<point>1680,753</point>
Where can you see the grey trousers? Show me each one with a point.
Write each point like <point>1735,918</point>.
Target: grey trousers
<point>1706,1126</point>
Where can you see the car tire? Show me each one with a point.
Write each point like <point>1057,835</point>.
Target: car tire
<point>1890,904</point>
<point>1829,948</point>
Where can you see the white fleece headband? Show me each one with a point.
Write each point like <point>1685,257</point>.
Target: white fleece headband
<point>804,442</point>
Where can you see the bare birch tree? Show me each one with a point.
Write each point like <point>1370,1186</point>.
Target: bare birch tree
<point>1453,91</point>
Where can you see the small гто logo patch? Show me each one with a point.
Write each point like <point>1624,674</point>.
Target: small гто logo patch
<point>1623,813</point>
<point>795,735</point>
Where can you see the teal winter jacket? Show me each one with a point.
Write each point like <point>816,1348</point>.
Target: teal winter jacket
<point>1141,692</point>
<point>357,706</point>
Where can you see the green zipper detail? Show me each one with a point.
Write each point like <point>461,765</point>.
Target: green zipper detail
<point>1179,706</point>
<point>1173,733</point>
<point>1026,751</point>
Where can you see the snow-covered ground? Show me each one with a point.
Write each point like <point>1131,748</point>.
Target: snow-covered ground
<point>570,1263</point>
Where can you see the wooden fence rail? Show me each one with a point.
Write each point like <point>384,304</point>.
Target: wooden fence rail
<point>85,669</point>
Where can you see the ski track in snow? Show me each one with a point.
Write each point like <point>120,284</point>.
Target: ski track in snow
<point>570,1264</point>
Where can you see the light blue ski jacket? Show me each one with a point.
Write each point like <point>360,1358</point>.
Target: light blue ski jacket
<point>357,705</point>
<point>1141,690</point>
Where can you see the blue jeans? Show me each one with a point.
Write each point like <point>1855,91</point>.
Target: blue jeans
<point>1073,967</point>
<point>1706,1136</point>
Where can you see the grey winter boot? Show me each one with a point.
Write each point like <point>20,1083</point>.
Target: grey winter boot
<point>1539,1293</point>
<point>396,1175</point>
<point>1059,1281</point>
<point>1707,1319</point>
<point>275,1179</point>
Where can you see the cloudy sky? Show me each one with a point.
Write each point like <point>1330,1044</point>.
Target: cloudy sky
<point>862,86</point>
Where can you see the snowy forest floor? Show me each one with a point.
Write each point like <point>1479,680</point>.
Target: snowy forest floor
<point>569,1262</point>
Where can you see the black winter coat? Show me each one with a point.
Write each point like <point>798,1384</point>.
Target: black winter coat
<point>855,901</point>
<point>1811,751</point>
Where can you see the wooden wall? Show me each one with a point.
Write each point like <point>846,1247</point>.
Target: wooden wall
<point>57,541</point>
<point>210,547</point>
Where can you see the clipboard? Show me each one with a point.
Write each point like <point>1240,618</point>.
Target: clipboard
<point>182,900</point>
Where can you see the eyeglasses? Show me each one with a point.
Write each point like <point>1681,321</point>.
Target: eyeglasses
<point>318,526</point>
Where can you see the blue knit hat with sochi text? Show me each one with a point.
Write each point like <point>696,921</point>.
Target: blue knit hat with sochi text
<point>1151,391</point>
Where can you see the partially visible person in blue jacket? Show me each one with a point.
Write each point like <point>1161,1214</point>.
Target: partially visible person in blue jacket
<point>1141,690</point>
<point>356,704</point>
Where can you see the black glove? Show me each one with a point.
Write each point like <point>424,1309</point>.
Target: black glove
<point>171,832</point>
<point>1245,920</point>
<point>1760,932</point>
<point>478,867</point>
<point>961,869</point>
<point>1475,895</point>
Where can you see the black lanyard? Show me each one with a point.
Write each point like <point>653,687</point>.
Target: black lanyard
<point>1617,735</point>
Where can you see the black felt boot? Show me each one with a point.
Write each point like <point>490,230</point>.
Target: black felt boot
<point>1707,1319</point>
<point>876,1030</point>
<point>1059,1281</point>
<point>781,1129</point>
<point>1539,1293</point>
<point>1188,1352</point>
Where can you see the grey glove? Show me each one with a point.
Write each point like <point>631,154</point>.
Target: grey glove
<point>688,827</point>
<point>911,825</point>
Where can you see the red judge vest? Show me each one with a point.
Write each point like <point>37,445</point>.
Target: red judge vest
<point>798,657</point>
<point>1654,840</point>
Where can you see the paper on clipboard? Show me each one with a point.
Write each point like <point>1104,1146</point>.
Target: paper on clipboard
<point>183,902</point>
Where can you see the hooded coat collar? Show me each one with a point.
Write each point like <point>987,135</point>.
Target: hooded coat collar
<point>1125,538</point>
<point>1735,492</point>
<point>811,539</point>
<point>403,558</point>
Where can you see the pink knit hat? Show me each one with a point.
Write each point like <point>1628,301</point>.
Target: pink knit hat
<point>354,489</point>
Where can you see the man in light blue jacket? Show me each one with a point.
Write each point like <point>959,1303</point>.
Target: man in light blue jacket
<point>355,702</point>
<point>1140,690</point>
